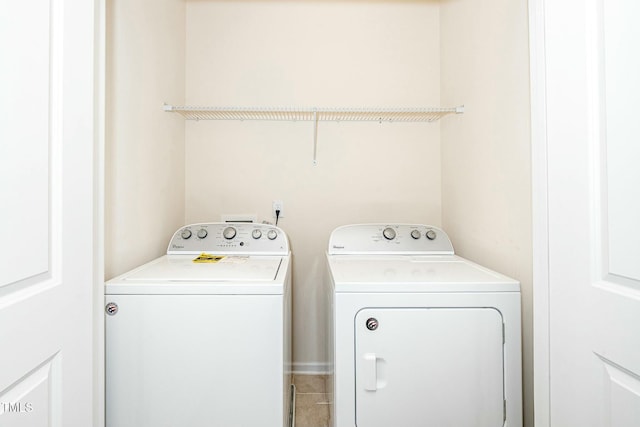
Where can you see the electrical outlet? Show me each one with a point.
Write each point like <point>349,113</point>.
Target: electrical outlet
<point>277,205</point>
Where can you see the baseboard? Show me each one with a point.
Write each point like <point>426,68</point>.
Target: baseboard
<point>310,368</point>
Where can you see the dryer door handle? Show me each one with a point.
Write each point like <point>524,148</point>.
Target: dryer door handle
<point>369,372</point>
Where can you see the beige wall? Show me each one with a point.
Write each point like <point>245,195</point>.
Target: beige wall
<point>144,146</point>
<point>323,54</point>
<point>486,160</point>
<point>163,172</point>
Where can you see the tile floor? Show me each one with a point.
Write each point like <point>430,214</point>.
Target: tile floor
<point>312,401</point>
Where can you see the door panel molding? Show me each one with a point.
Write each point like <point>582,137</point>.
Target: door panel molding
<point>26,86</point>
<point>32,400</point>
<point>612,80</point>
<point>623,395</point>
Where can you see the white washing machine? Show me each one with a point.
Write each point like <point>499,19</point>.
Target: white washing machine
<point>207,343</point>
<point>420,337</point>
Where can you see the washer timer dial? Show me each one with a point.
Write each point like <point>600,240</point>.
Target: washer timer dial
<point>229,233</point>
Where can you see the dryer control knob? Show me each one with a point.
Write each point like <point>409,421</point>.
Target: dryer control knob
<point>415,234</point>
<point>272,234</point>
<point>229,233</point>
<point>431,235</point>
<point>389,233</point>
<point>186,233</point>
<point>256,234</point>
<point>202,233</point>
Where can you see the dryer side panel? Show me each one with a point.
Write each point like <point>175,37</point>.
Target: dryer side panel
<point>429,367</point>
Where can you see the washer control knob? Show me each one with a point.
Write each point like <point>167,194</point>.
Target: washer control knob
<point>431,235</point>
<point>272,234</point>
<point>415,234</point>
<point>229,233</point>
<point>389,233</point>
<point>202,233</point>
<point>372,323</point>
<point>256,234</point>
<point>186,233</point>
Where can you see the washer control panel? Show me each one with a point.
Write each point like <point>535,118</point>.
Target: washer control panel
<point>229,238</point>
<point>396,239</point>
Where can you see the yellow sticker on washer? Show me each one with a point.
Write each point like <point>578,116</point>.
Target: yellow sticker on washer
<point>208,258</point>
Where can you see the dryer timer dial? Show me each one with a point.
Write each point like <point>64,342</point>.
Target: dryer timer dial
<point>389,233</point>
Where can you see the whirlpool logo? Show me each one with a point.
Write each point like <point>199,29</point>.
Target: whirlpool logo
<point>338,247</point>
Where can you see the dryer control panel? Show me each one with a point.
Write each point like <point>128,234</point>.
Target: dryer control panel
<point>225,238</point>
<point>395,239</point>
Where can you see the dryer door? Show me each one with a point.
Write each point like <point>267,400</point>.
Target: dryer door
<point>419,367</point>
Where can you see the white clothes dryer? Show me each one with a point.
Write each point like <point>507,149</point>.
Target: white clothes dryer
<point>419,336</point>
<point>203,342</point>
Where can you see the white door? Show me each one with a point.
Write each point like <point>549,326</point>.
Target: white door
<point>420,367</point>
<point>588,343</point>
<point>47,264</point>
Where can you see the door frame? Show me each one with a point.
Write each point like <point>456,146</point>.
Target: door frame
<point>540,210</point>
<point>98,209</point>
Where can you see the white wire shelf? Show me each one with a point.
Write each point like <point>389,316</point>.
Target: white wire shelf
<point>315,115</point>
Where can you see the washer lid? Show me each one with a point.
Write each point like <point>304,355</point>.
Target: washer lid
<point>407,273</point>
<point>179,274</point>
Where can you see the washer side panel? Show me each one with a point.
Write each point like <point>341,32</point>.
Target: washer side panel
<point>195,360</point>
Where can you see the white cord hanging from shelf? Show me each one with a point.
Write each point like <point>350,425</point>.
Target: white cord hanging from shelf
<point>314,114</point>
